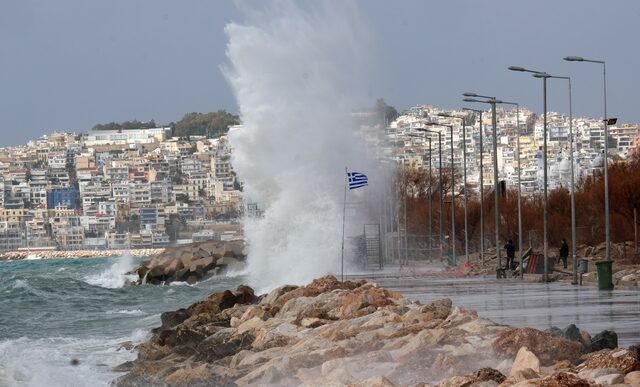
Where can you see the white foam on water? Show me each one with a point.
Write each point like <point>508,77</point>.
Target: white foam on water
<point>47,362</point>
<point>297,71</point>
<point>115,276</point>
<point>32,257</point>
<point>125,311</point>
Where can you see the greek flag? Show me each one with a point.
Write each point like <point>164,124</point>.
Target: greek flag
<point>357,180</point>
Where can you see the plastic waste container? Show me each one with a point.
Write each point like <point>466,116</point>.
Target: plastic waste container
<point>583,266</point>
<point>605,275</point>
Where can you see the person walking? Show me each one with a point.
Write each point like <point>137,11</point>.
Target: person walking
<point>564,252</point>
<point>511,253</point>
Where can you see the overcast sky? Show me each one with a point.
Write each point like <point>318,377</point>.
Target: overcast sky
<point>66,65</point>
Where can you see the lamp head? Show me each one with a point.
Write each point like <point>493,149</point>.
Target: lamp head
<point>574,58</point>
<point>467,94</point>
<point>541,75</point>
<point>471,100</point>
<point>516,68</point>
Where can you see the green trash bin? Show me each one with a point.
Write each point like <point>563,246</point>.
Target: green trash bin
<point>605,275</point>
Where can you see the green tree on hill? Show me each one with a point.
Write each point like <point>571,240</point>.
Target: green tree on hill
<point>386,113</point>
<point>135,124</point>
<point>212,124</point>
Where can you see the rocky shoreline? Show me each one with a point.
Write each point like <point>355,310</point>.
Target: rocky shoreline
<point>55,254</point>
<point>333,333</point>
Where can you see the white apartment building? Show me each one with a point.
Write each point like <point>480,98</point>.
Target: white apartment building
<point>125,136</point>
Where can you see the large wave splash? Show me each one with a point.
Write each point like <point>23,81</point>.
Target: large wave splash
<point>297,73</point>
<point>116,275</point>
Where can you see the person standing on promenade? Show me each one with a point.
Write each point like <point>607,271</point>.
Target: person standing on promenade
<point>511,253</point>
<point>564,252</point>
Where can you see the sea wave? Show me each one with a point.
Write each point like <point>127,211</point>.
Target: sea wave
<point>64,361</point>
<point>125,311</point>
<point>116,275</point>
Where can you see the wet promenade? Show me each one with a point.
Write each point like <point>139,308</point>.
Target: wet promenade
<point>537,305</point>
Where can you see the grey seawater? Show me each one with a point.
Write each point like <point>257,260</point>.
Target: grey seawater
<point>537,305</point>
<point>54,311</point>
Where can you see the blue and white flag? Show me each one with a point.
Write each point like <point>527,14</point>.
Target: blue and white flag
<point>357,180</point>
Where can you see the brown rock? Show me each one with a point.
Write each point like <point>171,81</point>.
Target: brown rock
<point>272,299</point>
<point>202,264</point>
<point>521,376</point>
<point>458,381</point>
<point>312,322</point>
<point>486,374</point>
<point>375,381</point>
<point>563,364</point>
<point>548,348</point>
<point>172,267</point>
<point>632,378</point>
<point>437,309</point>
<point>565,379</point>
<point>244,294</point>
<point>621,359</point>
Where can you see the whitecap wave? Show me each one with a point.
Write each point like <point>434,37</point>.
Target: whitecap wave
<point>179,283</point>
<point>115,276</point>
<point>32,257</point>
<point>125,311</point>
<point>47,361</point>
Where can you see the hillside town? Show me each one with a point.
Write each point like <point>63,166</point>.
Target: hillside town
<point>410,145</point>
<point>145,188</point>
<point>116,189</point>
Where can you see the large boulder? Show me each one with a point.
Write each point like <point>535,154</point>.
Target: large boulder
<point>604,340</point>
<point>548,348</point>
<point>191,263</point>
<point>623,360</point>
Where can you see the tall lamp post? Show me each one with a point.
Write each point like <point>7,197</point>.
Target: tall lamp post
<point>607,224</point>
<point>545,211</point>
<point>517,105</point>
<point>453,207</point>
<point>440,181</point>
<point>481,188</point>
<point>464,183</point>
<point>573,191</point>
<point>492,101</point>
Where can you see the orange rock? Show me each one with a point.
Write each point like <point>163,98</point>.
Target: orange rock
<point>548,348</point>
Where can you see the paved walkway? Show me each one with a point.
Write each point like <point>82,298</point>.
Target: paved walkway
<point>518,303</point>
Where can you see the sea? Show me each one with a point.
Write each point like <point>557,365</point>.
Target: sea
<point>68,322</point>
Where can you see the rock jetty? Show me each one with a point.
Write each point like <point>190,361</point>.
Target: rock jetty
<point>53,254</point>
<point>192,263</point>
<point>332,333</point>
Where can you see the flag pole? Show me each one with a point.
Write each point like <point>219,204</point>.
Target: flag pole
<point>344,212</point>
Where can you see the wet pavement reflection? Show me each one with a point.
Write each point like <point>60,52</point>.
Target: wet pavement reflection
<point>537,305</point>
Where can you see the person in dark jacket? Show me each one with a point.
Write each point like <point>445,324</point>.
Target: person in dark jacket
<point>564,252</point>
<point>511,253</point>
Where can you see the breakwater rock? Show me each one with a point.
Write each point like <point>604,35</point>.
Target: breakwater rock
<point>53,254</point>
<point>333,333</point>
<point>191,263</point>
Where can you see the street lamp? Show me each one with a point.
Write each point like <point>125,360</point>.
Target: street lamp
<point>519,185</point>
<point>440,179</point>
<point>464,169</point>
<point>544,77</point>
<point>453,208</point>
<point>430,217</point>
<point>481,189</point>
<point>607,224</point>
<point>573,193</point>
<point>492,101</point>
